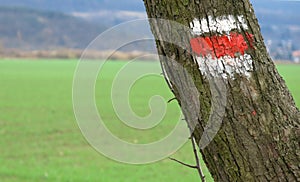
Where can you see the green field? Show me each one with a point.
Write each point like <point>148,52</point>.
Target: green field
<point>40,139</point>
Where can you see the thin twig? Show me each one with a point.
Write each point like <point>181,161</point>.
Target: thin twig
<point>197,160</point>
<point>187,165</point>
<point>172,100</point>
<point>198,165</point>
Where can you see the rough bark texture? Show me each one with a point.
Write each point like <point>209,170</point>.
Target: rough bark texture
<point>259,137</point>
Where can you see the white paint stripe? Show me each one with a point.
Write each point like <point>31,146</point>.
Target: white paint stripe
<point>222,24</point>
<point>226,66</point>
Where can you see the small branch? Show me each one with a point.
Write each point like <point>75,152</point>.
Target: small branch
<point>172,100</point>
<point>182,163</point>
<point>198,166</point>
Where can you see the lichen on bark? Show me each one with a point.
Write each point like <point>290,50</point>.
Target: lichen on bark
<point>259,137</point>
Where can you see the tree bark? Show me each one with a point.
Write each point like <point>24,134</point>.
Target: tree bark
<point>259,136</point>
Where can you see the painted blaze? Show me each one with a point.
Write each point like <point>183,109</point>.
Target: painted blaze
<point>223,53</point>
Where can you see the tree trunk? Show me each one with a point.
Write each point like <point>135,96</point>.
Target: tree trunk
<point>258,138</point>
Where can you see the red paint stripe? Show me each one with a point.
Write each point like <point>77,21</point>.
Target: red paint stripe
<point>219,46</point>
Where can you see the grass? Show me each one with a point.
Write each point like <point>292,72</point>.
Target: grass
<point>290,73</point>
<point>40,139</point>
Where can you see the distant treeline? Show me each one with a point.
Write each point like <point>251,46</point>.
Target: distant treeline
<point>77,54</point>
<point>30,29</point>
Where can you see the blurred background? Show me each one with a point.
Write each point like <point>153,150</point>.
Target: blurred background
<point>40,44</point>
<point>44,28</point>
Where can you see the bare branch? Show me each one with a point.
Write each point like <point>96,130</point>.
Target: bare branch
<point>197,160</point>
<point>172,100</point>
<point>182,163</point>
